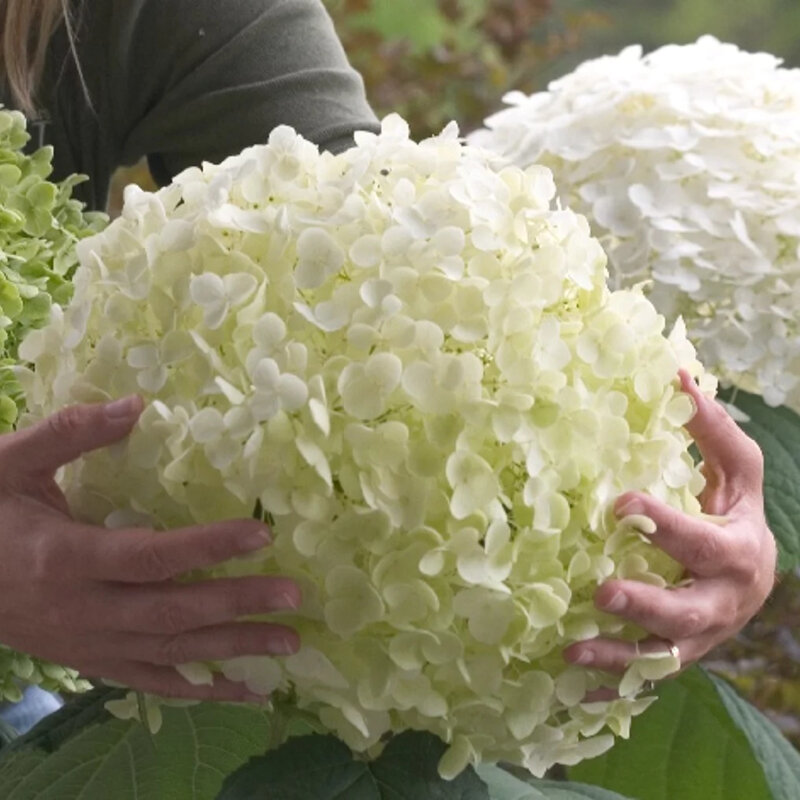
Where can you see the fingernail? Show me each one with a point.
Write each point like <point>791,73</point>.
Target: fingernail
<point>631,506</point>
<point>288,601</point>
<point>123,409</point>
<point>584,657</point>
<point>616,604</point>
<point>282,646</point>
<point>255,540</point>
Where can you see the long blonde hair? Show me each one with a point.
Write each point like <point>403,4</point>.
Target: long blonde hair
<point>26,27</point>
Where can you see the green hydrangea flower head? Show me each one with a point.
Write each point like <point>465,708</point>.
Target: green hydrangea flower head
<point>40,223</point>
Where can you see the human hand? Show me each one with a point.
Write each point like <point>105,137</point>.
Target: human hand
<point>731,566</point>
<point>106,602</point>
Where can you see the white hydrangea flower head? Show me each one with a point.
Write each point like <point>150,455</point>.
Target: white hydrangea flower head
<point>687,163</point>
<point>411,362</point>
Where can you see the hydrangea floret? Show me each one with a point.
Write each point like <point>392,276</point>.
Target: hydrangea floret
<point>687,163</point>
<point>40,222</point>
<point>410,361</point>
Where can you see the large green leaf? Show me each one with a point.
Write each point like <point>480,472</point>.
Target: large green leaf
<point>322,768</point>
<point>503,786</point>
<point>777,431</point>
<point>780,761</point>
<point>569,790</point>
<point>686,746</point>
<point>82,753</point>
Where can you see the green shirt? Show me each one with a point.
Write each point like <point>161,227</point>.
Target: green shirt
<point>183,81</point>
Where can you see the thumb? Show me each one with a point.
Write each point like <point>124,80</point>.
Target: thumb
<point>726,449</point>
<point>67,435</point>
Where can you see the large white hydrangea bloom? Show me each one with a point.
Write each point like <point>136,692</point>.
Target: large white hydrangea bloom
<point>687,163</point>
<point>414,366</point>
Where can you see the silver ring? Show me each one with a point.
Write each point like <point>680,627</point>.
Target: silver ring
<point>675,652</point>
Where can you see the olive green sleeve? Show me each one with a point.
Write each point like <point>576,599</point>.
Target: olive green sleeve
<point>194,80</point>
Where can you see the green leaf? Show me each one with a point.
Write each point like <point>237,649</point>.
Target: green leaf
<point>569,790</point>
<point>8,413</point>
<point>82,753</point>
<point>322,768</point>
<point>504,786</point>
<point>8,733</point>
<point>684,746</point>
<point>780,761</point>
<point>777,431</point>
<point>419,22</point>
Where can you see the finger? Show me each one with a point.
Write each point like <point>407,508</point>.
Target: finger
<point>143,556</point>
<point>177,608</point>
<point>167,682</point>
<point>703,547</point>
<point>214,643</point>
<point>68,434</point>
<point>725,447</point>
<point>672,614</point>
<point>614,655</point>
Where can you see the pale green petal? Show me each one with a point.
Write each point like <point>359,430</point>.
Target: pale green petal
<point>456,758</point>
<point>196,673</point>
<point>260,674</point>
<point>207,289</point>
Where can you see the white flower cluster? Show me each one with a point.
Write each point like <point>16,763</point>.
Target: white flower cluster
<point>414,366</point>
<point>687,163</point>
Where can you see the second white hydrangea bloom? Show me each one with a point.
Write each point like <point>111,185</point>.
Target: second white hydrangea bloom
<point>687,163</point>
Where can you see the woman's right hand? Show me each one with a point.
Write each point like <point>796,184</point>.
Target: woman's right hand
<point>106,602</point>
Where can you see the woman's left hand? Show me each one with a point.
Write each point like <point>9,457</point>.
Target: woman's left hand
<point>731,565</point>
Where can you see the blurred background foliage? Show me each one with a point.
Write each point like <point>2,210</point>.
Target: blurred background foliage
<point>755,25</point>
<point>763,661</point>
<point>437,60</point>
<point>453,59</point>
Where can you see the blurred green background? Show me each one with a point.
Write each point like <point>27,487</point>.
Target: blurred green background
<point>437,60</point>
<point>756,25</point>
